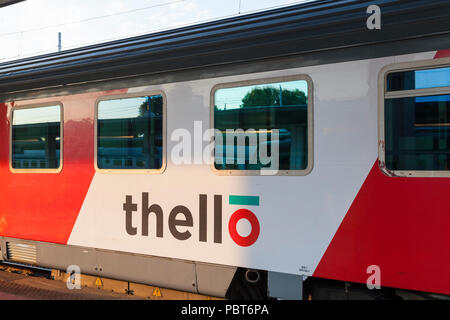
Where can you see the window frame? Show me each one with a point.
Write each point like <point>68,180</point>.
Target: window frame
<point>164,132</point>
<point>384,94</point>
<point>310,129</point>
<point>61,151</point>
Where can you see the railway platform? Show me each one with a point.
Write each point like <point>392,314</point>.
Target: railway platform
<point>16,284</point>
<point>20,282</point>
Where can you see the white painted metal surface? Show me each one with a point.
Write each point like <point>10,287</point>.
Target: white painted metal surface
<point>298,215</point>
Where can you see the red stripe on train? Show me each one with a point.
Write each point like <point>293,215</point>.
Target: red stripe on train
<point>442,54</point>
<point>399,224</point>
<point>45,206</point>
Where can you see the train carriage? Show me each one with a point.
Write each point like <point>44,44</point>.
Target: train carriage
<point>285,153</point>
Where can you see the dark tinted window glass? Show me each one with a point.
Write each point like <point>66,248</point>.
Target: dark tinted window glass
<point>129,133</point>
<point>36,138</point>
<point>267,108</point>
<point>420,79</point>
<point>417,133</point>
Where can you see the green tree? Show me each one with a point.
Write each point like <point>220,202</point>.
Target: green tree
<point>153,104</point>
<point>271,96</point>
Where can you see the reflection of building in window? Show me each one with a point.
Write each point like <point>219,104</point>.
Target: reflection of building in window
<point>129,133</point>
<point>36,138</point>
<point>262,108</point>
<point>417,126</point>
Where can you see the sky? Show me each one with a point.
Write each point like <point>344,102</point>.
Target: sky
<point>37,115</point>
<point>31,27</point>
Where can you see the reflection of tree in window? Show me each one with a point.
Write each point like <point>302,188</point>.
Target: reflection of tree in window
<point>152,106</point>
<point>266,107</point>
<point>130,133</point>
<point>270,96</point>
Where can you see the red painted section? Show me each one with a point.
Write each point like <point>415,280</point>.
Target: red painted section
<point>399,224</point>
<point>44,206</point>
<point>442,54</point>
<point>250,217</point>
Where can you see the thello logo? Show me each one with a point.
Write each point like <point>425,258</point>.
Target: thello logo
<point>243,214</point>
<point>180,219</point>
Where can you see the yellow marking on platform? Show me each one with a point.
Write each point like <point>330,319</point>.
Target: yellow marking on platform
<point>137,289</point>
<point>157,292</point>
<point>98,282</point>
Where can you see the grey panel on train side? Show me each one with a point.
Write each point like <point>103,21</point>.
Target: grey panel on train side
<point>202,278</point>
<point>181,275</point>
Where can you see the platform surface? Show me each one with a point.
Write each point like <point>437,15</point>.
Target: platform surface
<point>17,286</point>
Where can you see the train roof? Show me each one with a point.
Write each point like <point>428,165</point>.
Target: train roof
<point>309,28</point>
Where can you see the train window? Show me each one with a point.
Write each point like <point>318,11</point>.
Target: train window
<point>416,131</point>
<point>130,133</point>
<point>36,138</point>
<point>418,79</point>
<point>263,126</point>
